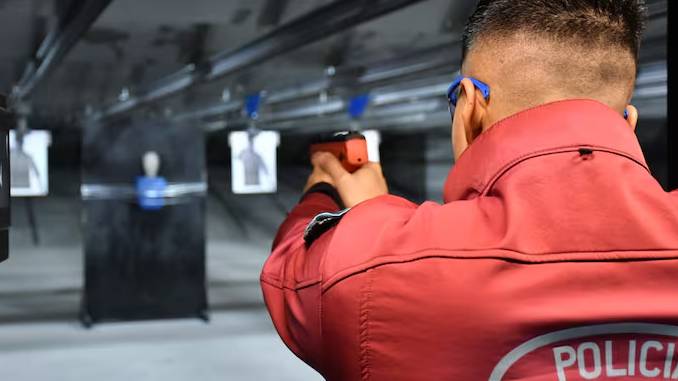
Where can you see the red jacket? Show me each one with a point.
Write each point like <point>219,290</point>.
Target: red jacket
<point>555,257</point>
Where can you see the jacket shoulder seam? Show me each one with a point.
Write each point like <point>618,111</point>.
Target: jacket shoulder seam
<point>496,254</point>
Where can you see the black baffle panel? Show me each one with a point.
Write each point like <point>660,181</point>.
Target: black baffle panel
<point>5,124</point>
<point>142,264</point>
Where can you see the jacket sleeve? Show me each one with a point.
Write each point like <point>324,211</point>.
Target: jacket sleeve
<point>291,277</point>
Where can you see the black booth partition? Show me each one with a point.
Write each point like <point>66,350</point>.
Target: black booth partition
<point>5,124</point>
<point>143,264</point>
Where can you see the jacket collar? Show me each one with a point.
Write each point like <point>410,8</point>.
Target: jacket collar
<point>559,126</point>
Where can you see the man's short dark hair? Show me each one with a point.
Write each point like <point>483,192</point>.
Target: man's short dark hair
<point>585,22</point>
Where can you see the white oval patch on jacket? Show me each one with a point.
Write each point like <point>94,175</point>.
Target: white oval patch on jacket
<point>647,351</point>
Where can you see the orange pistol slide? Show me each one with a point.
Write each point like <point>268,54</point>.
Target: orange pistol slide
<point>350,147</point>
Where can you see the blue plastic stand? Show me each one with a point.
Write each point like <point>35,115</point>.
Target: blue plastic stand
<point>150,192</point>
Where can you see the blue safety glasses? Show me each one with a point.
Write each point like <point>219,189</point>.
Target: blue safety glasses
<point>453,90</point>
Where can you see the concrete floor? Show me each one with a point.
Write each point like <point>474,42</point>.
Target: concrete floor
<point>235,345</point>
<point>41,340</point>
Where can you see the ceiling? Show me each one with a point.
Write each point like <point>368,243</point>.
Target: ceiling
<point>134,43</point>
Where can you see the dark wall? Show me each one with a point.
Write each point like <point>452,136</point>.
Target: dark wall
<point>403,158</point>
<point>653,137</point>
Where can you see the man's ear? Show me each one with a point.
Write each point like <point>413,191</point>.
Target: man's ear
<point>471,112</point>
<point>632,119</point>
<point>467,121</point>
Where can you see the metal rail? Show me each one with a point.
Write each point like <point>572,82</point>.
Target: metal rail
<point>79,18</point>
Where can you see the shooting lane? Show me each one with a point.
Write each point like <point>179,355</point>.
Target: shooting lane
<point>144,246</point>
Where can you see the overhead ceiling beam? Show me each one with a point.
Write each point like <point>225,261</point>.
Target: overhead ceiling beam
<point>314,26</point>
<point>358,78</point>
<point>74,22</point>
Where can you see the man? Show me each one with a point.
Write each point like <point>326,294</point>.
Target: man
<point>555,256</point>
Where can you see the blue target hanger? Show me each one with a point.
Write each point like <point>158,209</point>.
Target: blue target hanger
<point>252,103</point>
<point>357,105</point>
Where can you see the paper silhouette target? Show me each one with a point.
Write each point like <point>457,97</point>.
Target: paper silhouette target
<point>253,161</point>
<point>28,162</point>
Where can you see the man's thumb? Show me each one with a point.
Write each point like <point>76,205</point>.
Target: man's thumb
<point>329,164</point>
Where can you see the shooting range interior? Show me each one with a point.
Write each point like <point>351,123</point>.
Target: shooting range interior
<point>156,146</point>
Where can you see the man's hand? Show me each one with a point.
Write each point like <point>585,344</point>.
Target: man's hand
<point>365,183</point>
<point>317,176</point>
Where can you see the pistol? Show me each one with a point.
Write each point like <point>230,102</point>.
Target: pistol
<point>349,147</point>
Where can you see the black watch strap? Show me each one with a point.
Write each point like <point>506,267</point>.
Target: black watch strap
<point>327,189</point>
